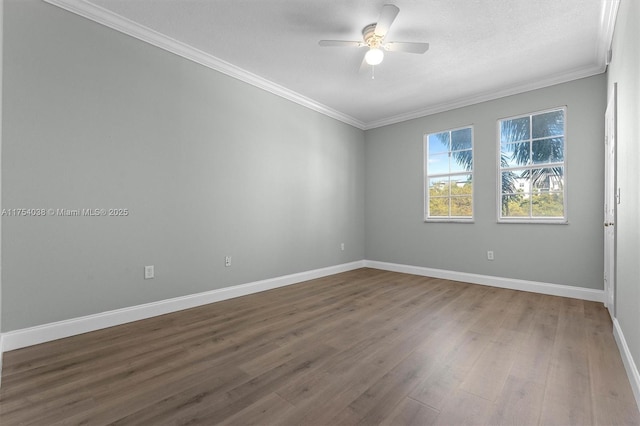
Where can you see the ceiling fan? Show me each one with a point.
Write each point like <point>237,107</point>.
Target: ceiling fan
<point>373,36</point>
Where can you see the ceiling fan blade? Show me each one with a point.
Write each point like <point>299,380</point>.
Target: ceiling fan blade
<point>341,43</point>
<point>409,47</point>
<point>387,16</point>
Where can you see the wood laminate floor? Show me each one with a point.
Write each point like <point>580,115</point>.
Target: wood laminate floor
<point>361,347</point>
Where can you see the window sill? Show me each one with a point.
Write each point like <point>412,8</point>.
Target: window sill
<point>449,221</point>
<point>534,221</point>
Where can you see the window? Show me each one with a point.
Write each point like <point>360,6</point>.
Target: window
<point>532,176</point>
<point>449,175</point>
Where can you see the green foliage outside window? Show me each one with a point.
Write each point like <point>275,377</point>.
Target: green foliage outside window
<point>541,205</point>
<point>454,197</point>
<point>532,169</point>
<point>449,174</point>
<point>532,165</point>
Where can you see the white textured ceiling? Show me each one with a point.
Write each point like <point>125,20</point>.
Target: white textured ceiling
<point>479,49</point>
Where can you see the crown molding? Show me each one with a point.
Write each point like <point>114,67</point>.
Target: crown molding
<point>126,26</point>
<point>114,21</point>
<point>608,17</point>
<point>489,96</point>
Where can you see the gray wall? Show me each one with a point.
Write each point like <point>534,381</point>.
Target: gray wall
<point>208,166</point>
<point>560,254</point>
<point>625,70</point>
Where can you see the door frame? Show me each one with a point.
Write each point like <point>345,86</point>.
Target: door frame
<point>611,200</point>
<point>1,69</point>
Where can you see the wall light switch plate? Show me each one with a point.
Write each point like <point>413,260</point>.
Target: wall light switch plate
<point>149,272</point>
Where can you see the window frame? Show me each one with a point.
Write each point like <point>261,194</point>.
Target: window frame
<point>556,220</point>
<point>426,176</point>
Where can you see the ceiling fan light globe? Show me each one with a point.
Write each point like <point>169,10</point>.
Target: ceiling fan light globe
<point>374,56</point>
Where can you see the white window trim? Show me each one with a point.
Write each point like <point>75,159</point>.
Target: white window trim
<point>425,179</point>
<point>531,220</point>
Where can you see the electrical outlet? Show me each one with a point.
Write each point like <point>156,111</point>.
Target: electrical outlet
<point>490,255</point>
<point>149,272</point>
<point>227,261</point>
<point>342,246</point>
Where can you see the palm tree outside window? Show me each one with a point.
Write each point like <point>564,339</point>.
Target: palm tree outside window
<point>449,175</point>
<point>532,167</point>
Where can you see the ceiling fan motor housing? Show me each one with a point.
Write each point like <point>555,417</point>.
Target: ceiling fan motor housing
<point>368,34</point>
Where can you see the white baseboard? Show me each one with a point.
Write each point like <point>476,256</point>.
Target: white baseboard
<point>47,332</point>
<point>511,283</point>
<point>627,359</point>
